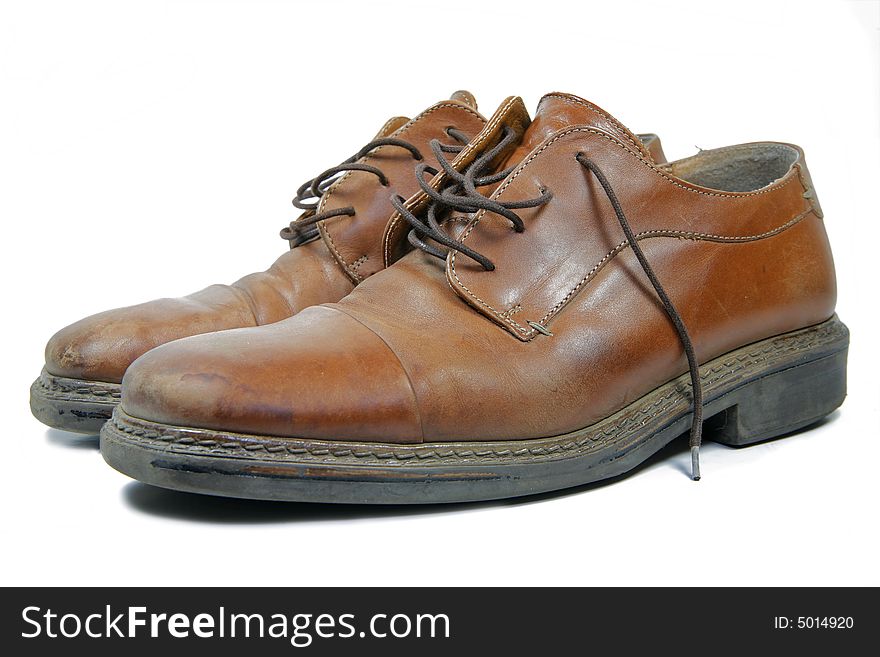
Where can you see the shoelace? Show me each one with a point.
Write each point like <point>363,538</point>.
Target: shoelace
<point>308,196</point>
<point>463,196</point>
<point>696,433</point>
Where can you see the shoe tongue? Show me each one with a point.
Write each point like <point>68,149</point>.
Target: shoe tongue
<point>558,111</point>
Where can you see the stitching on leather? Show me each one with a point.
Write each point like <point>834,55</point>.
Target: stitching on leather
<point>688,235</point>
<point>397,132</point>
<point>511,311</point>
<point>357,263</point>
<point>573,100</point>
<point>487,306</point>
<point>351,272</point>
<point>387,123</point>
<point>809,189</point>
<point>529,333</point>
<point>323,202</point>
<point>487,131</point>
<point>686,186</point>
<point>631,421</point>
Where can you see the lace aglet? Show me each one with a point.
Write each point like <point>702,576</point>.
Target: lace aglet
<point>695,462</point>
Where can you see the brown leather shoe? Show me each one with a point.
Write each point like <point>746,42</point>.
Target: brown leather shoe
<point>590,311</point>
<point>85,361</point>
<point>337,242</point>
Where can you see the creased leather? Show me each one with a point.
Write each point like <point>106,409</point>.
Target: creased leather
<point>101,347</point>
<point>511,114</point>
<point>439,367</point>
<point>358,251</point>
<point>577,229</point>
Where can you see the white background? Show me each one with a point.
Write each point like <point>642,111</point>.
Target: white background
<point>151,148</point>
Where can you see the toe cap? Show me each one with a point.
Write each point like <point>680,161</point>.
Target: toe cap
<point>319,375</point>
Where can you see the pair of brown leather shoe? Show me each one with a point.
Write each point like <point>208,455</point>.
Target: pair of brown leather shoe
<point>478,308</point>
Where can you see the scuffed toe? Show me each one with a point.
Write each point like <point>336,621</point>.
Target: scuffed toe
<point>102,346</point>
<point>318,375</point>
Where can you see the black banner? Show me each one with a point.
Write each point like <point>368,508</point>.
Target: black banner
<point>438,621</point>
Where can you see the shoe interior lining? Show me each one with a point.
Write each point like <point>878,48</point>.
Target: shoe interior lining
<point>745,168</point>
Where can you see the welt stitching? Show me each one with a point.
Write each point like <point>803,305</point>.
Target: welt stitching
<point>621,429</point>
<point>59,390</point>
<point>486,132</point>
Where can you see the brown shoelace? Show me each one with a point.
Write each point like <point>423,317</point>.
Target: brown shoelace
<point>696,433</point>
<point>462,195</point>
<point>308,196</point>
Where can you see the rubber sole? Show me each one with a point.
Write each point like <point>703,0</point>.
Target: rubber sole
<point>754,393</point>
<point>73,404</point>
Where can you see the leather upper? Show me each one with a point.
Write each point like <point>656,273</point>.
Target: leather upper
<point>444,351</point>
<point>101,347</point>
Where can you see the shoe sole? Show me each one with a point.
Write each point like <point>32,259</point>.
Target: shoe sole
<point>73,404</point>
<point>761,391</point>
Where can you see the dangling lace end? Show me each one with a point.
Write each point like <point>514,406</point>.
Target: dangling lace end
<point>695,462</point>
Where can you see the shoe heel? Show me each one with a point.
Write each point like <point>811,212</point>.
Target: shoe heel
<point>781,402</point>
